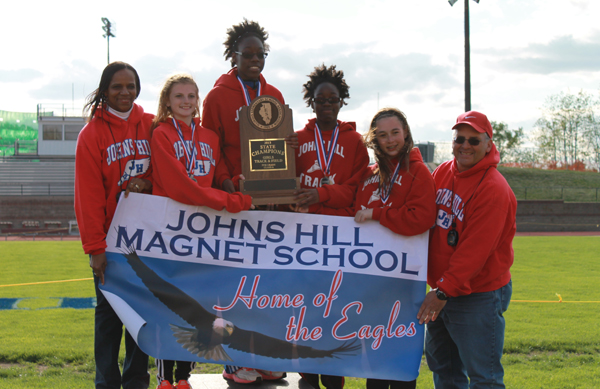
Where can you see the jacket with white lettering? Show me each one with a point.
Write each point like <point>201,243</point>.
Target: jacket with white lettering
<point>410,208</point>
<point>171,178</point>
<point>109,152</point>
<point>220,111</point>
<point>485,210</point>
<point>347,169</point>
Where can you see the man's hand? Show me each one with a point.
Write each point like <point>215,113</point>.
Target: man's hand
<point>430,309</point>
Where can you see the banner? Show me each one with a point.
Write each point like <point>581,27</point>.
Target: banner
<point>270,290</point>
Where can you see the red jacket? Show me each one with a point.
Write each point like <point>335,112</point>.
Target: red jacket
<point>104,163</point>
<point>220,111</point>
<point>485,213</point>
<point>347,169</point>
<point>171,178</point>
<point>410,209</point>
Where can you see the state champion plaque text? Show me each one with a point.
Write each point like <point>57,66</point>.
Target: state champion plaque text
<point>267,155</point>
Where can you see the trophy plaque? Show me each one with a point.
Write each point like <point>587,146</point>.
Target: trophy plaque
<point>268,163</point>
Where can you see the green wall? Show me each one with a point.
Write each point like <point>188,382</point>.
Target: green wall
<point>16,125</point>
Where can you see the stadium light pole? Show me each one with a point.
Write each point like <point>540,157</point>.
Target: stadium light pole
<point>107,34</point>
<point>467,55</point>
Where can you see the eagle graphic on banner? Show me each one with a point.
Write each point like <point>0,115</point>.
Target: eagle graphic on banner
<point>210,332</point>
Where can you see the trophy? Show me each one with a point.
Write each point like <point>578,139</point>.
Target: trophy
<point>268,163</point>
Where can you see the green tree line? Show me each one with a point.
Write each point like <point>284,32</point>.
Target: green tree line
<point>568,133</point>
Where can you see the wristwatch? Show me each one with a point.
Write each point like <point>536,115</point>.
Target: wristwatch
<point>441,295</point>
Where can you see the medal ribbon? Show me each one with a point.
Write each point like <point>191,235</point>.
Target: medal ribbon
<point>387,189</point>
<point>190,155</point>
<point>325,157</point>
<point>246,93</point>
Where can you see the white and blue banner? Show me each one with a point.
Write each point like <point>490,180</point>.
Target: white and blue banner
<point>270,290</point>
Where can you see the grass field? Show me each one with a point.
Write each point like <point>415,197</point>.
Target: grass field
<point>548,344</point>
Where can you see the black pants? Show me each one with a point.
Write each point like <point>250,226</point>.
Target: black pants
<point>108,331</point>
<point>328,381</point>
<point>373,383</point>
<point>164,370</point>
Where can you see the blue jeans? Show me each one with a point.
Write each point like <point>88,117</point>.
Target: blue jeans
<point>464,345</point>
<point>108,330</point>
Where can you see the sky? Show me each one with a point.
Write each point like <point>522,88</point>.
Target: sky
<point>398,53</point>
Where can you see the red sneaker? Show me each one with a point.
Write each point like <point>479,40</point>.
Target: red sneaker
<point>244,375</point>
<point>165,385</point>
<point>183,384</point>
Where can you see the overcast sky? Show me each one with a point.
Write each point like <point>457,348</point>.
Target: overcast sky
<point>401,53</point>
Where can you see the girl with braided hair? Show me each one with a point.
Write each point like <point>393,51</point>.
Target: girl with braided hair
<point>398,191</point>
<point>246,48</point>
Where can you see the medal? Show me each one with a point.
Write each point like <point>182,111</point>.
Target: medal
<point>324,157</point>
<point>190,154</point>
<point>385,190</point>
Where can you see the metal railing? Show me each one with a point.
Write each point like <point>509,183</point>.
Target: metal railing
<point>37,189</point>
<point>58,110</point>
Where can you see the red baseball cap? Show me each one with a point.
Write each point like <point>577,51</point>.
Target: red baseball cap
<point>477,120</point>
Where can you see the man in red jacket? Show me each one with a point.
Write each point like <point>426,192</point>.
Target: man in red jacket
<point>470,255</point>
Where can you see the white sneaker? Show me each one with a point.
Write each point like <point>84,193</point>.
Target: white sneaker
<point>244,375</point>
<point>269,375</point>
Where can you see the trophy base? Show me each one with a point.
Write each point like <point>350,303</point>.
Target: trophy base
<point>273,191</point>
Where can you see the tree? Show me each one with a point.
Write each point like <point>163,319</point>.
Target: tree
<point>592,135</point>
<point>506,140</point>
<point>564,127</point>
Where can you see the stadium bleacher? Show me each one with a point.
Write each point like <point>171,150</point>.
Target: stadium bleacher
<point>36,191</point>
<point>36,196</point>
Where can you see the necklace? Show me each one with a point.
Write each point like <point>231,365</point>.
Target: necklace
<point>246,93</point>
<point>324,157</point>
<point>190,154</point>
<point>386,190</point>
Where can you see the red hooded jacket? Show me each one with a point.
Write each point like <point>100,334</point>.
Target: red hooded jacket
<point>109,152</point>
<point>485,212</point>
<point>410,209</point>
<point>347,168</point>
<point>171,178</point>
<point>220,111</point>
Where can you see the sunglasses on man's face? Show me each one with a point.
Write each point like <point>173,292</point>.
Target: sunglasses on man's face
<point>472,141</point>
<point>251,55</point>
